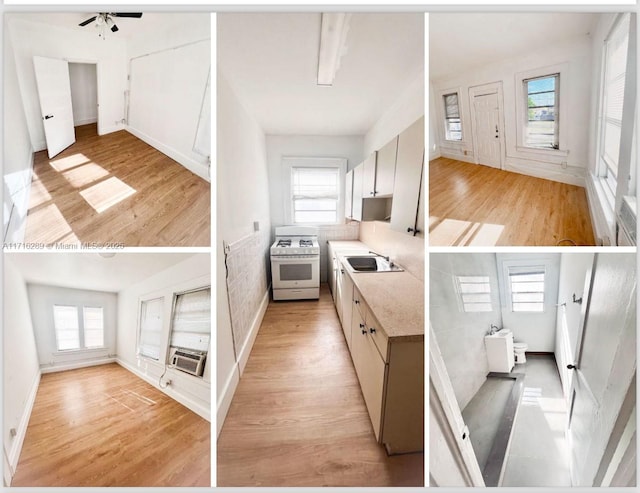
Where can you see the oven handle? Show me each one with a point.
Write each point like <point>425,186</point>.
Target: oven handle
<point>293,260</point>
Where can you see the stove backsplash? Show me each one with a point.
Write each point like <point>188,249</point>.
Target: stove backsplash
<point>349,231</point>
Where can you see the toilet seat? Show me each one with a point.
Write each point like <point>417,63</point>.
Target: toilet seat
<point>520,345</point>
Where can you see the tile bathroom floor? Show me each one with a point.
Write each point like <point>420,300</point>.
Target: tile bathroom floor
<point>539,453</point>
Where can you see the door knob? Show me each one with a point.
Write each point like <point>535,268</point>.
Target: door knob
<point>572,367</point>
<point>47,117</point>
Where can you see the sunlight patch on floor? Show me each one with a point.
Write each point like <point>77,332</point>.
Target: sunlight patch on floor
<point>47,224</point>
<point>66,163</point>
<point>106,194</point>
<point>38,194</point>
<point>85,174</point>
<point>455,232</point>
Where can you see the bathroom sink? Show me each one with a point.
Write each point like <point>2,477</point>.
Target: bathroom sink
<point>500,333</point>
<point>499,348</point>
<point>372,264</point>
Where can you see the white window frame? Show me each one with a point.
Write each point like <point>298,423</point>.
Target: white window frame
<point>288,163</point>
<point>463,303</point>
<point>556,106</point>
<point>79,307</point>
<point>441,132</point>
<point>148,299</point>
<point>523,270</point>
<point>176,295</point>
<point>522,112</point>
<point>446,119</point>
<point>610,186</point>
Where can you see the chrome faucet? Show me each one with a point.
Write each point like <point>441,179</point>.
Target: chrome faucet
<point>378,255</point>
<point>493,329</point>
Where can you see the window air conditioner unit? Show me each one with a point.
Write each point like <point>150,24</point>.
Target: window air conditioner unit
<point>627,222</point>
<point>188,360</point>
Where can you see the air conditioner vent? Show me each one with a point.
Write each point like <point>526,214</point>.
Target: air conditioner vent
<point>188,361</point>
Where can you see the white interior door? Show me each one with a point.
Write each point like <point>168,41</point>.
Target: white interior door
<point>487,129</point>
<point>54,91</point>
<point>605,362</point>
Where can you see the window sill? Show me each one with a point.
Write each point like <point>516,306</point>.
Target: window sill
<point>546,152</point>
<point>61,352</point>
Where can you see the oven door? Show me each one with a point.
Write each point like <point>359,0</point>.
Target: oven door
<point>301,271</point>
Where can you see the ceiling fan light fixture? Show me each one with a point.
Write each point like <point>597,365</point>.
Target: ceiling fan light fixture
<point>333,37</point>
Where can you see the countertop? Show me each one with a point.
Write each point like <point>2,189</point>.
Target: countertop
<point>395,298</point>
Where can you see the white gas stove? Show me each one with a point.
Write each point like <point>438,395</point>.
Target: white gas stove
<point>295,263</point>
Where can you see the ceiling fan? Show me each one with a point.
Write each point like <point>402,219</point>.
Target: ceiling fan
<point>105,20</point>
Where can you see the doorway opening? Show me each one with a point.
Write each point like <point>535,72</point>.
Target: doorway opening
<point>83,80</point>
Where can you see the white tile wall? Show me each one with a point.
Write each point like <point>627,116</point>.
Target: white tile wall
<point>247,282</point>
<point>349,231</point>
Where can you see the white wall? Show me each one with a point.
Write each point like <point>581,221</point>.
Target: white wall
<point>41,301</point>
<point>34,38</point>
<point>21,372</point>
<point>169,70</point>
<point>242,198</point>
<point>189,390</point>
<point>279,146</point>
<point>577,53</point>
<point>433,143</point>
<point>460,335</point>
<point>538,330</point>
<point>84,93</point>
<point>17,151</point>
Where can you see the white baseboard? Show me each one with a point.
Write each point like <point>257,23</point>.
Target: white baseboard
<point>104,130</point>
<point>434,155</point>
<point>85,121</point>
<point>76,365</point>
<point>21,431</point>
<point>201,410</point>
<point>241,362</point>
<point>40,146</point>
<point>458,157</point>
<point>200,169</point>
<point>572,175</point>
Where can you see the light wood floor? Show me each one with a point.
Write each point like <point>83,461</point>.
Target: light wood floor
<point>298,417</point>
<point>471,204</point>
<point>116,188</point>
<point>103,426</point>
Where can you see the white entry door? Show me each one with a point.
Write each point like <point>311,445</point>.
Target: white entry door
<point>605,362</point>
<point>487,129</point>
<point>54,91</point>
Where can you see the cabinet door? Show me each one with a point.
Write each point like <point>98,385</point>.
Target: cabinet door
<point>331,271</point>
<point>369,177</point>
<point>386,169</point>
<point>406,191</point>
<point>358,174</point>
<point>348,195</point>
<point>338,298</point>
<point>370,369</point>
<point>347,307</point>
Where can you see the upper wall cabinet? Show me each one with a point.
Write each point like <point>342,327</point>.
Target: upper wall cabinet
<point>356,207</point>
<point>408,178</point>
<point>369,176</point>
<point>386,169</point>
<point>348,195</point>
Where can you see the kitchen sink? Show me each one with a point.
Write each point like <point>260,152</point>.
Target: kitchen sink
<point>372,264</point>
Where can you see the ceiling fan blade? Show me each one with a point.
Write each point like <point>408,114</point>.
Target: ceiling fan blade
<point>88,21</point>
<point>114,28</point>
<point>136,15</point>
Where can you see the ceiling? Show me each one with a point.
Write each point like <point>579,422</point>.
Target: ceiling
<point>90,270</point>
<point>128,28</point>
<point>271,61</point>
<point>461,42</point>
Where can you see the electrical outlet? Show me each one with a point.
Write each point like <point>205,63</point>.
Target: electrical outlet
<point>256,225</point>
<point>225,246</point>
<point>168,382</point>
<point>13,432</point>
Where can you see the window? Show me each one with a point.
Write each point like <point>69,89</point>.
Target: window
<point>452,122</point>
<point>150,328</point>
<point>73,333</point>
<point>614,75</point>
<point>191,322</point>
<point>541,129</point>
<point>315,194</point>
<point>65,319</point>
<point>475,293</point>
<point>93,327</point>
<point>526,285</point>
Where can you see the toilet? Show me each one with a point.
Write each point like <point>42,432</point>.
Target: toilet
<point>519,349</point>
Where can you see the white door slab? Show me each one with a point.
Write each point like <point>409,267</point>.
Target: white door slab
<point>54,91</point>
<point>487,128</point>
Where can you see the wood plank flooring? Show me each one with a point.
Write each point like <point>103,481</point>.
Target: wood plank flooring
<point>116,188</point>
<point>298,417</point>
<point>477,205</point>
<point>103,426</point>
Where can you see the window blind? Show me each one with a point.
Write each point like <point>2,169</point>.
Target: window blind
<point>315,193</point>
<point>616,47</point>
<point>453,123</point>
<point>527,289</point>
<point>65,320</point>
<point>191,324</point>
<point>475,293</point>
<point>93,327</point>
<point>150,328</point>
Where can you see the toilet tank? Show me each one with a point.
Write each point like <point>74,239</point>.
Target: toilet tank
<point>499,348</point>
